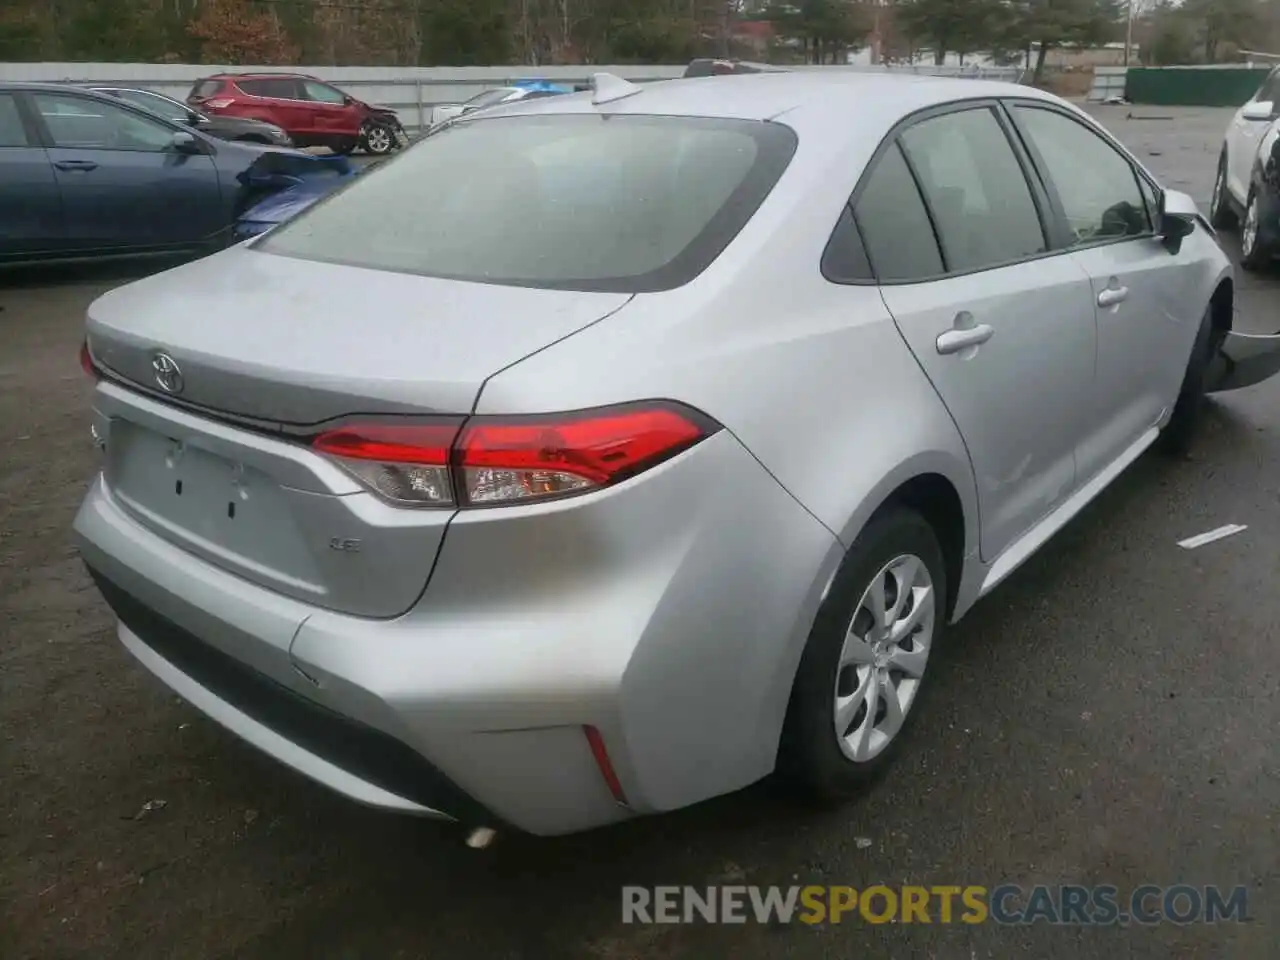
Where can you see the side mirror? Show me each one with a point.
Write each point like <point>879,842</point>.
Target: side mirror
<point>349,100</point>
<point>1178,216</point>
<point>184,142</point>
<point>1258,110</point>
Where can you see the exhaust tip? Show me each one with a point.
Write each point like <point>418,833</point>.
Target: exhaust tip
<point>481,837</point>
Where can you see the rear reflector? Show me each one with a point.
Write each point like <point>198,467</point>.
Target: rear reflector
<point>605,764</point>
<point>86,361</point>
<point>490,461</point>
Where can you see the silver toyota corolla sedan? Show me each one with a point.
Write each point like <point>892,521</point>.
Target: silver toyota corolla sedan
<point>654,455</point>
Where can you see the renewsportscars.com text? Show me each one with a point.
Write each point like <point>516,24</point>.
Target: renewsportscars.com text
<point>1007,904</point>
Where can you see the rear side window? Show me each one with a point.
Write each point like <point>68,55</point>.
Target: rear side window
<point>205,88</point>
<point>976,190</point>
<point>578,202</point>
<point>895,224</point>
<point>284,88</point>
<point>12,131</point>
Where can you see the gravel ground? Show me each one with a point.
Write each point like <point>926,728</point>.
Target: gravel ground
<point>1107,716</point>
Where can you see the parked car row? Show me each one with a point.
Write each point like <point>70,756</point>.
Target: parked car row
<point>85,174</point>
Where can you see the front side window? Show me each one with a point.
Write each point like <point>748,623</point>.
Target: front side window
<point>1270,90</point>
<point>581,202</point>
<point>895,224</point>
<point>1096,184</point>
<point>323,93</point>
<point>975,187</point>
<point>85,124</point>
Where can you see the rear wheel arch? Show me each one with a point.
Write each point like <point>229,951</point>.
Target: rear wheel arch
<point>937,500</point>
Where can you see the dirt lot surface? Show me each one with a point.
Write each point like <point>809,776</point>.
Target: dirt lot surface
<point>1108,716</point>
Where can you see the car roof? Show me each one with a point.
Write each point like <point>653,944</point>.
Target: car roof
<point>273,75</point>
<point>844,97</point>
<point>51,87</point>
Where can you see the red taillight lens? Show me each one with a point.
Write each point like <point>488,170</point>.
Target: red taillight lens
<point>86,361</point>
<point>499,460</point>
<point>524,458</point>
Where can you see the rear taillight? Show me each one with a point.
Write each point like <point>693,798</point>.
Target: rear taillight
<point>491,461</point>
<point>221,103</point>
<point>86,361</point>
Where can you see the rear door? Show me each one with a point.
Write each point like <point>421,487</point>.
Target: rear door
<point>31,219</point>
<point>334,117</point>
<point>122,184</point>
<point>1002,326</point>
<point>1144,297</point>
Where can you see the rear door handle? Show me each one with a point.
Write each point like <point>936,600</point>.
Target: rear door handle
<point>85,165</point>
<point>1112,296</point>
<point>953,341</point>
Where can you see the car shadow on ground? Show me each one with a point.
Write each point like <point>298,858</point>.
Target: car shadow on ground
<point>45,275</point>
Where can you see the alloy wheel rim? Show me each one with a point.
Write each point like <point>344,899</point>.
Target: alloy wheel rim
<point>883,660</point>
<point>1249,235</point>
<point>378,139</point>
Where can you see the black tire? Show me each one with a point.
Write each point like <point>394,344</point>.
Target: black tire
<point>810,757</point>
<point>1221,213</point>
<point>1179,433</point>
<point>1258,256</point>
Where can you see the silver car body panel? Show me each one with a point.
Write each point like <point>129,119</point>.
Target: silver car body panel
<point>670,611</point>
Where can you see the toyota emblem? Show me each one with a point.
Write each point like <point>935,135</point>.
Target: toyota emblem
<point>168,373</point>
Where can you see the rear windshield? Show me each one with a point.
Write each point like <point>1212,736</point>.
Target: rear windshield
<point>490,97</point>
<point>576,202</point>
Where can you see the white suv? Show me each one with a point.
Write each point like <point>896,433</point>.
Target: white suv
<point>1247,189</point>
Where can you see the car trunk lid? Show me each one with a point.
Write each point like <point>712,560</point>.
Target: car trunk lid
<point>292,341</point>
<point>266,348</point>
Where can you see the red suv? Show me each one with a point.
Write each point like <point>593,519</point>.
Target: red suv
<point>312,112</point>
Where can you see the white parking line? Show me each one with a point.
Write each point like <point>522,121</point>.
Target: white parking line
<point>1199,541</point>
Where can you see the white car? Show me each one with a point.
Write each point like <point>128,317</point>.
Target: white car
<point>1246,192</point>
<point>532,90</point>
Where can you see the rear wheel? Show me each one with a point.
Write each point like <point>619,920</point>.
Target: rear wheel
<point>1221,214</point>
<point>858,686</point>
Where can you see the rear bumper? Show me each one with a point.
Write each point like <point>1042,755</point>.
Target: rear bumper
<point>668,613</point>
<point>357,760</point>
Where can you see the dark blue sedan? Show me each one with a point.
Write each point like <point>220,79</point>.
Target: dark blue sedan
<point>83,175</point>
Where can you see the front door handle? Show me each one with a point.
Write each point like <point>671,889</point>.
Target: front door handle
<point>1112,296</point>
<point>954,341</point>
<point>85,165</point>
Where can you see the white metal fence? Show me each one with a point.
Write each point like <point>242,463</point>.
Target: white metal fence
<point>410,91</point>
